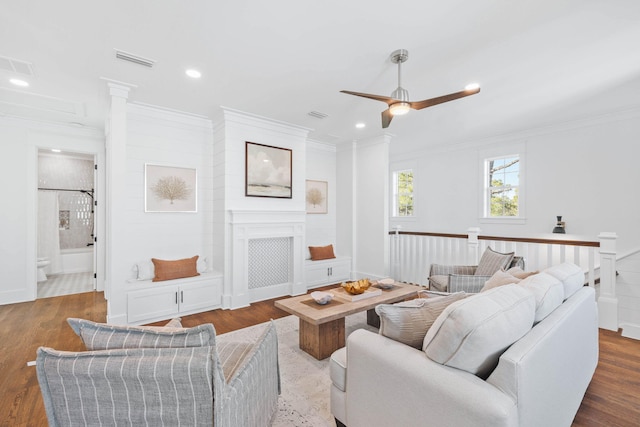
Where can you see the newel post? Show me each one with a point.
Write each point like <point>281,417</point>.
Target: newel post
<point>473,245</point>
<point>608,302</point>
<point>395,252</point>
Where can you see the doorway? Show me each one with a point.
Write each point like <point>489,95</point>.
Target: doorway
<point>66,260</point>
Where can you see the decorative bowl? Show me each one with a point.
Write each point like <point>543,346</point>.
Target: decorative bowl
<point>386,283</point>
<point>321,298</point>
<point>357,287</point>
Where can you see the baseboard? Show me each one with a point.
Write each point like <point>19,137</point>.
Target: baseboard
<point>630,330</point>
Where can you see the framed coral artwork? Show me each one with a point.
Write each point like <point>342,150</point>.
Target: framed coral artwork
<point>170,189</point>
<point>316,196</point>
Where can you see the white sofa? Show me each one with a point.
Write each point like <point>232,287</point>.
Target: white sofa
<point>540,380</point>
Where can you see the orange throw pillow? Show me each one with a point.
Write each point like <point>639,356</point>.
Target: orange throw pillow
<point>168,270</point>
<point>321,252</point>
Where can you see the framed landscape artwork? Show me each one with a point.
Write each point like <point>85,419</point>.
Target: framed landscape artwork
<point>316,195</point>
<point>268,171</point>
<point>169,189</point>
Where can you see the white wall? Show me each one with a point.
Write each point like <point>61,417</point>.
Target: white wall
<point>161,137</point>
<point>20,141</point>
<point>321,166</point>
<point>370,207</point>
<point>232,130</point>
<point>585,171</point>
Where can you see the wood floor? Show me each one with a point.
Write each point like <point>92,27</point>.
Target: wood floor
<point>612,400</point>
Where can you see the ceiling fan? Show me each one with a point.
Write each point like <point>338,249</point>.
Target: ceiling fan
<point>399,103</point>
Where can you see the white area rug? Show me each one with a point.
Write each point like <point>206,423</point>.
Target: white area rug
<point>304,400</point>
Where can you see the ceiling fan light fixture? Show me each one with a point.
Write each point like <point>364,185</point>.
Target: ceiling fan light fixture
<point>399,108</point>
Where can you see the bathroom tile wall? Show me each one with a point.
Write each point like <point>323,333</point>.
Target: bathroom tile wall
<point>70,173</point>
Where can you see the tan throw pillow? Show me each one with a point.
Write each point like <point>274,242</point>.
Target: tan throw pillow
<point>499,278</point>
<point>520,273</point>
<point>168,270</point>
<point>409,321</point>
<point>321,252</point>
<point>492,261</point>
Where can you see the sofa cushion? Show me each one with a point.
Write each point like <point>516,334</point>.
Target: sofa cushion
<point>548,292</point>
<point>142,386</point>
<point>100,336</point>
<point>492,261</point>
<point>232,355</point>
<point>472,333</point>
<point>499,278</point>
<point>321,252</point>
<point>409,321</point>
<point>174,269</point>
<point>338,368</point>
<point>571,276</point>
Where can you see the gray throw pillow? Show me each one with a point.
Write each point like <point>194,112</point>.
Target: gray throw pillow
<point>409,321</point>
<point>100,336</point>
<point>492,261</point>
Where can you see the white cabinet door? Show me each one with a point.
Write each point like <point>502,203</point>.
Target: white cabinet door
<point>316,275</point>
<point>198,295</point>
<point>152,304</point>
<point>340,271</point>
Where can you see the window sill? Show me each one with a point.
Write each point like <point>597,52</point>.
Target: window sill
<point>503,220</point>
<point>403,218</point>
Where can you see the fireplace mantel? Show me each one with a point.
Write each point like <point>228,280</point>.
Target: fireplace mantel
<point>267,256</point>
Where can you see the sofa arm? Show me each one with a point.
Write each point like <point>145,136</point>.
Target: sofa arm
<point>250,398</point>
<point>464,283</point>
<point>389,383</point>
<point>444,270</point>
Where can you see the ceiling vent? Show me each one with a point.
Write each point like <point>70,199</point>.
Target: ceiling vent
<point>16,66</point>
<point>318,115</point>
<point>136,59</point>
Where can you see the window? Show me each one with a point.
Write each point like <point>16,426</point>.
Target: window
<point>403,193</point>
<point>502,187</point>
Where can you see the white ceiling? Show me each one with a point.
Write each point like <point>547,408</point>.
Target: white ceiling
<point>538,61</point>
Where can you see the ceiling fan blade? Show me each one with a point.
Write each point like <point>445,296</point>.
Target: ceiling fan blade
<point>386,118</point>
<point>385,99</point>
<point>419,105</point>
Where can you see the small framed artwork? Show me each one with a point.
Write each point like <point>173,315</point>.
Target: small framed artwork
<point>268,171</point>
<point>316,195</point>
<point>170,189</point>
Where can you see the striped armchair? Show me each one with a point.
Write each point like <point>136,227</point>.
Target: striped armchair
<point>457,278</point>
<point>196,380</point>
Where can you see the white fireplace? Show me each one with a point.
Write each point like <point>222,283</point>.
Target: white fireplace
<point>267,256</point>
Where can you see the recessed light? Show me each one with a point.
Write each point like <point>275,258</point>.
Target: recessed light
<point>194,74</point>
<point>19,82</point>
<point>55,150</point>
<point>472,86</point>
<point>360,125</point>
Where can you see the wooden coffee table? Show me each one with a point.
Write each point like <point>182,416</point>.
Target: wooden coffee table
<point>322,326</point>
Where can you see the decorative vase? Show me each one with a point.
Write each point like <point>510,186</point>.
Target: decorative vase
<point>559,228</point>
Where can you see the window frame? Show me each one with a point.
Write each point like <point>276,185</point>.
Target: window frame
<point>395,194</point>
<point>494,153</point>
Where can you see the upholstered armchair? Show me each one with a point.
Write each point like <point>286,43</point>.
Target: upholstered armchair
<point>161,376</point>
<point>471,278</point>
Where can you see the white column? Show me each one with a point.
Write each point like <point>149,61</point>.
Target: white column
<point>116,188</point>
<point>608,302</point>
<point>473,245</point>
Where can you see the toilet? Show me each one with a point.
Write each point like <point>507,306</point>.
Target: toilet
<point>42,263</point>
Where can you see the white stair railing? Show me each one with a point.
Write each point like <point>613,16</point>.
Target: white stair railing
<point>412,254</point>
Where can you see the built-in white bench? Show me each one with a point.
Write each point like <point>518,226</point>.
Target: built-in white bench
<point>149,301</point>
<point>327,271</point>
